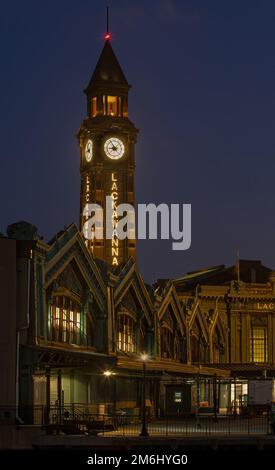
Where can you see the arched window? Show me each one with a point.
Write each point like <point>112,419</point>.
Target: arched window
<point>90,331</point>
<point>112,105</point>
<point>195,349</point>
<point>66,321</point>
<point>126,334</point>
<point>199,345</point>
<point>94,106</point>
<point>176,348</point>
<point>167,343</point>
<point>142,339</point>
<point>218,348</point>
<point>199,349</point>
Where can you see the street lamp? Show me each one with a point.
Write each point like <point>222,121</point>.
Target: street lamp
<point>108,374</point>
<point>144,431</point>
<point>198,391</point>
<point>215,397</point>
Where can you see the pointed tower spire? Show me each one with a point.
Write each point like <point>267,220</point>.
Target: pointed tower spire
<point>108,72</point>
<point>107,91</point>
<point>107,153</point>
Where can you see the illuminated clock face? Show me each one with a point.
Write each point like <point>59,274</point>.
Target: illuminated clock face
<point>114,148</point>
<point>89,151</point>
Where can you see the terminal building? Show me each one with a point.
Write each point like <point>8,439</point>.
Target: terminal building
<point>78,320</point>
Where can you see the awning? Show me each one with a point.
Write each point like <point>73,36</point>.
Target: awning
<point>167,366</point>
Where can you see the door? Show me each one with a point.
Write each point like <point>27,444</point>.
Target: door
<point>178,399</point>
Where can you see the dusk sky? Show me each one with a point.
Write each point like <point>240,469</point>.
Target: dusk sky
<point>203,97</point>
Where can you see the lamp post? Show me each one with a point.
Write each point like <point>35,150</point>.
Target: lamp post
<point>215,400</point>
<point>144,431</point>
<point>108,374</point>
<point>198,393</point>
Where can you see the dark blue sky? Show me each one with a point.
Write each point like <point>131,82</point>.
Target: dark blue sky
<point>203,97</point>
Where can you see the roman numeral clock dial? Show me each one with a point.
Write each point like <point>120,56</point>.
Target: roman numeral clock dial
<point>89,150</point>
<point>114,148</point>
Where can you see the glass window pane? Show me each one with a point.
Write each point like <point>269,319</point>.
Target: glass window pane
<point>94,106</point>
<point>112,105</point>
<point>126,334</point>
<point>258,345</point>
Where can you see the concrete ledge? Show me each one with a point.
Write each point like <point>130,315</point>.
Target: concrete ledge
<point>81,442</point>
<point>19,437</point>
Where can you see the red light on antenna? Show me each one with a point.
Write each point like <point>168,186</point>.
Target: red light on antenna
<point>107,37</point>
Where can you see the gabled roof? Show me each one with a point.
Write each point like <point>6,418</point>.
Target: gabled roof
<point>201,273</point>
<point>130,277</point>
<point>108,71</point>
<point>68,246</point>
<point>249,271</point>
<point>170,299</point>
<point>196,313</point>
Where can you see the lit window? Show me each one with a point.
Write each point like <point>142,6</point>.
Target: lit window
<point>112,105</point>
<point>66,322</point>
<point>168,350</point>
<point>64,326</point>
<point>71,326</point>
<point>126,334</point>
<point>94,107</point>
<point>119,106</point>
<point>57,316</point>
<point>124,108</point>
<point>50,321</point>
<point>56,323</point>
<point>258,345</point>
<point>78,327</point>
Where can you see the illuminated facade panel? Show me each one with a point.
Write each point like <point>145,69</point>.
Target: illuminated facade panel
<point>258,346</point>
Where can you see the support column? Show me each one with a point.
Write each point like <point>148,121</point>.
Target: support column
<point>235,397</point>
<point>162,398</point>
<point>269,339</point>
<point>229,398</point>
<point>188,346</point>
<point>114,395</point>
<point>111,324</point>
<point>272,359</point>
<point>198,398</point>
<point>59,394</point>
<point>215,396</point>
<point>48,395</point>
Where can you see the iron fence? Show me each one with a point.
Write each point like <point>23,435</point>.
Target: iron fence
<point>81,419</point>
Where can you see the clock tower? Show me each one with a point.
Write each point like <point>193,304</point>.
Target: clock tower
<point>107,159</point>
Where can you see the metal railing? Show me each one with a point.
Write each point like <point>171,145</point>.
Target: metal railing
<point>229,425</point>
<point>79,418</point>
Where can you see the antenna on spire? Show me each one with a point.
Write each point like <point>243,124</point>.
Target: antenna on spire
<point>107,35</point>
<point>107,19</point>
